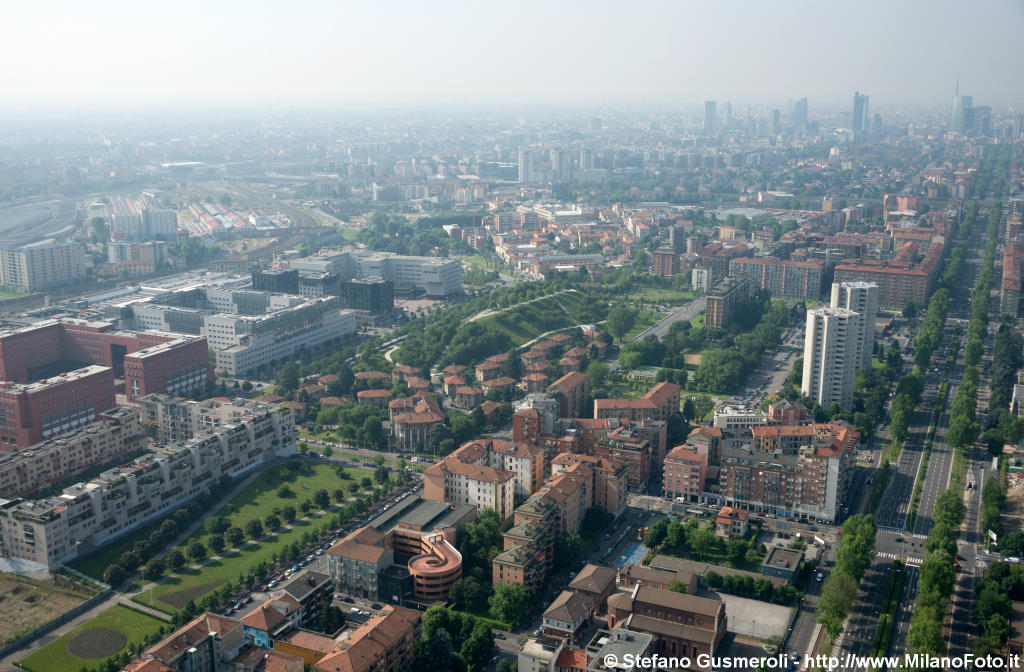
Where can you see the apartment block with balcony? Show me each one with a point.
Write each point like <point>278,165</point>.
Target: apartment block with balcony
<point>116,433</point>
<point>684,474</point>
<point>657,404</point>
<point>789,279</point>
<point>39,534</point>
<point>466,478</point>
<point>809,483</point>
<point>177,419</point>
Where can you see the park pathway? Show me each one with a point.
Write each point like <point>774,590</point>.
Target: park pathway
<point>124,601</point>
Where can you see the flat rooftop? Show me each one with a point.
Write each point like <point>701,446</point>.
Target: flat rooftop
<point>414,513</point>
<point>54,381</point>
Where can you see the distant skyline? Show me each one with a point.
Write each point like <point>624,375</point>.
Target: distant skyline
<point>323,54</point>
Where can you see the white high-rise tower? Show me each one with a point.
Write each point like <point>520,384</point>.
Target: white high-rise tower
<point>830,356</point>
<point>525,166</point>
<point>861,297</point>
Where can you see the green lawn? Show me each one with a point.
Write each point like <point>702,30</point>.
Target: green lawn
<point>480,262</point>
<point>578,304</point>
<point>671,297</point>
<point>97,562</point>
<point>350,235</point>
<point>260,498</point>
<point>11,294</point>
<point>55,656</point>
<point>257,500</point>
<point>644,319</point>
<point>528,321</point>
<point>192,584</point>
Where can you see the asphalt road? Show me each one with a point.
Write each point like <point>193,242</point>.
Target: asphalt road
<point>893,541</point>
<point>687,311</point>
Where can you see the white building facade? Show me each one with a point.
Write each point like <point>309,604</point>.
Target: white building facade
<point>831,356</point>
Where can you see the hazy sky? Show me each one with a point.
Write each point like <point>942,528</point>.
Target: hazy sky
<point>329,53</point>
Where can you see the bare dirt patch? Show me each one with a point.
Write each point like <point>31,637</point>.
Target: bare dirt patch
<point>180,598</point>
<point>25,604</point>
<point>96,643</point>
<point>1013,510</point>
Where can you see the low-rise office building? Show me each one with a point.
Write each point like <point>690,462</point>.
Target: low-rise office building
<point>434,277</point>
<point>34,412</point>
<point>247,329</point>
<point>782,563</point>
<point>147,361</point>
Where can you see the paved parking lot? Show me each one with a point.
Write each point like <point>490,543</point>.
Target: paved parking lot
<point>756,619</point>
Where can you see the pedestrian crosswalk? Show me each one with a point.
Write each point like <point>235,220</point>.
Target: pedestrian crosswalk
<point>909,559</point>
<point>898,531</point>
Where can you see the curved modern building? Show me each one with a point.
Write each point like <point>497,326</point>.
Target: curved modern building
<point>406,553</point>
<point>436,568</point>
